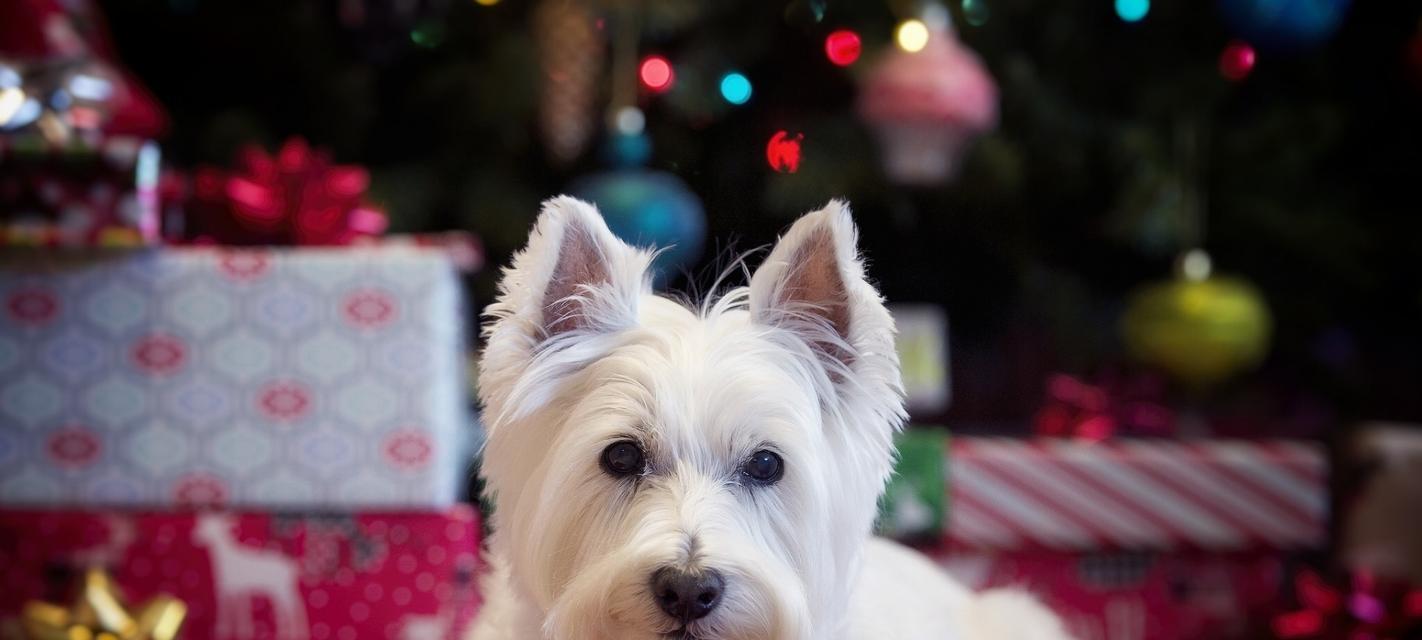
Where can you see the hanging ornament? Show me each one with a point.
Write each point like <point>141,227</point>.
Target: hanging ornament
<point>927,105</point>
<point>976,12</point>
<point>571,53</point>
<point>1237,61</point>
<point>1197,327</point>
<point>644,207</point>
<point>648,208</point>
<point>59,74</point>
<point>1284,25</point>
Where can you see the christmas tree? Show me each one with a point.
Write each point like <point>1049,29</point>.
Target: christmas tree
<point>1126,133</point>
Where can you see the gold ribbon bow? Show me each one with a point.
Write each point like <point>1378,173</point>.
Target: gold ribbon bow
<point>99,614</point>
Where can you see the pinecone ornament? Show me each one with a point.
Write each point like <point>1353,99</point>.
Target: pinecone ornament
<point>571,53</point>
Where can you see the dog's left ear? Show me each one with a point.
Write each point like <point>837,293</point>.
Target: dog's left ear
<point>813,286</point>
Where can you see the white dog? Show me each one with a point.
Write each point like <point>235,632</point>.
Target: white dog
<point>665,472</point>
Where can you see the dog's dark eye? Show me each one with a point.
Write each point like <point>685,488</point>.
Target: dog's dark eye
<point>623,458</point>
<point>764,467</point>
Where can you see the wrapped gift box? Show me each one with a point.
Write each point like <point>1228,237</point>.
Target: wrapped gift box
<point>82,194</point>
<point>913,504</point>
<point>1066,495</point>
<point>1136,595</point>
<point>922,345</point>
<point>245,576</point>
<point>298,378</point>
<point>1379,502</point>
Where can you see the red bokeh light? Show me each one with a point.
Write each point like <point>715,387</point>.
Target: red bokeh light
<point>1237,60</point>
<point>783,151</point>
<point>656,73</point>
<point>843,47</point>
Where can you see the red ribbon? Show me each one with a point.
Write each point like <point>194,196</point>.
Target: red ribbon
<point>1369,609</point>
<point>297,197</point>
<point>1078,409</point>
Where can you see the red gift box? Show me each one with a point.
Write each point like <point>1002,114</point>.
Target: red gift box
<point>1136,596</point>
<point>1136,539</point>
<point>260,575</point>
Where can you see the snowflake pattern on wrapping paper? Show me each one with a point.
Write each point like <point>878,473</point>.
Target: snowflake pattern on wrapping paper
<point>32,306</point>
<point>162,353</point>
<point>284,401</point>
<point>408,449</point>
<point>369,308</point>
<point>200,490</point>
<point>74,447</point>
<point>159,354</point>
<point>243,266</point>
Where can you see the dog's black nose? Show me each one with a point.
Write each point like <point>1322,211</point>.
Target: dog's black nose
<point>687,595</point>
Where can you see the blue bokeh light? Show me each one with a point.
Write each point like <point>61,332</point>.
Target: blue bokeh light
<point>735,88</point>
<point>1132,10</point>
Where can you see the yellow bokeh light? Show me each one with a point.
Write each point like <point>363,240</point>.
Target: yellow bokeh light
<point>912,35</point>
<point>486,3</point>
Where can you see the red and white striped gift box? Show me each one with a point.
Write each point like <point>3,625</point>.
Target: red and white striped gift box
<point>1222,495</point>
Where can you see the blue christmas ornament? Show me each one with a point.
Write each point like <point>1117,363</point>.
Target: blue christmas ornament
<point>1284,25</point>
<point>627,150</point>
<point>649,209</point>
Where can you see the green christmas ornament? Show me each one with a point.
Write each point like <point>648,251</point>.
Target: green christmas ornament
<point>1199,328</point>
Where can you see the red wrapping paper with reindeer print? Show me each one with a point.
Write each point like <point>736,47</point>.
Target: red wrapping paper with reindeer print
<point>1136,595</point>
<point>257,576</point>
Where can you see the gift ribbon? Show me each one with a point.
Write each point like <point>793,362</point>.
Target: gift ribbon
<point>1077,409</point>
<point>99,613</point>
<point>296,197</point>
<point>1367,611</point>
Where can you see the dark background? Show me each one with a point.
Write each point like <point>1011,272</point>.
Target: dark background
<point>1308,168</point>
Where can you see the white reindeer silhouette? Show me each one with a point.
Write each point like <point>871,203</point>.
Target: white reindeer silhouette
<point>110,553</point>
<point>423,627</point>
<point>243,573</point>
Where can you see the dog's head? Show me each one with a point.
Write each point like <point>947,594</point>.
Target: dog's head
<point>661,471</point>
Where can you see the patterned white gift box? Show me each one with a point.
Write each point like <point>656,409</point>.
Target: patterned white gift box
<point>1065,495</point>
<point>273,378</point>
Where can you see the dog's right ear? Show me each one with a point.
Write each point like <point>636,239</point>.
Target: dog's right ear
<point>574,276</point>
<point>574,279</point>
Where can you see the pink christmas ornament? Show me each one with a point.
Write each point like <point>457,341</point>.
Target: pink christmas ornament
<point>926,107</point>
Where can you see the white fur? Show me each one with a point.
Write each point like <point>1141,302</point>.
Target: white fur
<point>580,354</point>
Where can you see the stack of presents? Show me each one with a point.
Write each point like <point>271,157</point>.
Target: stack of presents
<point>1163,538</point>
<point>228,409</point>
<point>274,436</point>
